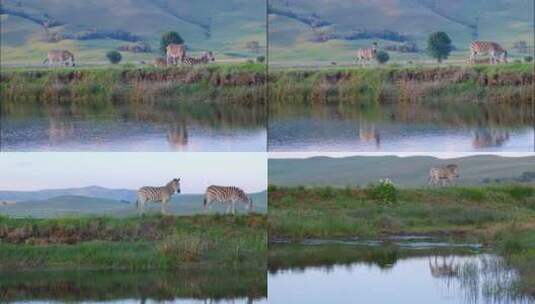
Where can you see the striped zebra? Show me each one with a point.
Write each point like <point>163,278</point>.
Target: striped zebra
<point>443,174</point>
<point>496,51</point>
<point>59,58</point>
<point>157,194</point>
<point>175,53</point>
<point>367,54</point>
<point>204,59</point>
<point>226,195</point>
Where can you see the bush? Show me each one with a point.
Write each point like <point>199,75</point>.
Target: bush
<point>382,57</point>
<point>528,58</point>
<point>260,59</point>
<point>439,46</point>
<point>384,191</point>
<point>169,38</point>
<point>114,57</point>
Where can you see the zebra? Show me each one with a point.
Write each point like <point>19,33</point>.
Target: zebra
<point>204,59</point>
<point>367,54</point>
<point>226,195</point>
<point>496,51</point>
<point>175,53</point>
<point>157,194</point>
<point>443,174</point>
<point>59,58</point>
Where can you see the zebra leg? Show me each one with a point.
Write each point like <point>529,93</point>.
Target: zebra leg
<point>162,208</point>
<point>233,207</point>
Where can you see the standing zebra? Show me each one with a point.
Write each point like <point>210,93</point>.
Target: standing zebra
<point>204,59</point>
<point>367,54</point>
<point>175,53</point>
<point>443,174</point>
<point>496,51</point>
<point>59,58</point>
<point>226,195</point>
<point>157,194</point>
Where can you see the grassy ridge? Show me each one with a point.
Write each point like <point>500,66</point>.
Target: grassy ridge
<point>146,243</point>
<point>489,83</point>
<point>220,82</point>
<point>502,216</point>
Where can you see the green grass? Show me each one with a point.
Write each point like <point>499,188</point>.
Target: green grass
<point>240,83</point>
<point>472,212</point>
<point>509,83</point>
<point>134,243</point>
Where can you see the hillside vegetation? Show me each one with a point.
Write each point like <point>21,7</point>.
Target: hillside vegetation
<point>306,32</point>
<point>90,28</point>
<point>403,171</point>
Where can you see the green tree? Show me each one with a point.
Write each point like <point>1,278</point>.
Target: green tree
<point>114,57</point>
<point>382,57</point>
<point>439,46</point>
<point>168,38</point>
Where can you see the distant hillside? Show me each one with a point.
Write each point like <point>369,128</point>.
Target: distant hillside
<point>89,28</point>
<point>91,191</point>
<point>405,172</point>
<point>331,30</point>
<point>72,205</point>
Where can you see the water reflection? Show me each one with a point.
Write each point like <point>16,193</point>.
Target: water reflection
<point>223,286</point>
<point>401,127</point>
<point>386,274</point>
<point>110,126</point>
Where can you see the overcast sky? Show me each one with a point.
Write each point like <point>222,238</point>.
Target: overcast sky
<point>401,154</point>
<point>35,171</point>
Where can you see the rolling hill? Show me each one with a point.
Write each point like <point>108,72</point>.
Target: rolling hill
<point>312,31</point>
<point>403,171</point>
<point>30,28</point>
<point>78,205</point>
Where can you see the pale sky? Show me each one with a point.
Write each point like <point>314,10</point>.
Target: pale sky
<point>442,155</point>
<point>35,171</point>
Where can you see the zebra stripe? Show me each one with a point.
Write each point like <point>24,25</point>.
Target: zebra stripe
<point>495,50</point>
<point>443,174</point>
<point>367,54</point>
<point>204,59</point>
<point>226,195</point>
<point>157,194</point>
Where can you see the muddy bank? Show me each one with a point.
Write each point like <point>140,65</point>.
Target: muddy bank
<point>238,83</point>
<point>501,83</point>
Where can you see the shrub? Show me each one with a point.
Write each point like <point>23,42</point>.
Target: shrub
<point>439,46</point>
<point>183,248</point>
<point>114,57</point>
<point>382,57</point>
<point>169,38</point>
<point>260,59</point>
<point>384,191</point>
<point>528,58</point>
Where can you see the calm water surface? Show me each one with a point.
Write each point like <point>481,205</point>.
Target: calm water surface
<point>400,127</point>
<point>133,127</point>
<point>377,274</point>
<point>224,286</point>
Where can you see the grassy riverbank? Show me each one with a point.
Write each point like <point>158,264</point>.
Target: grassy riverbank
<point>509,83</point>
<point>242,83</point>
<point>499,216</point>
<point>135,243</point>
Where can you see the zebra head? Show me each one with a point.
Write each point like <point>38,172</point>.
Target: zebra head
<point>175,184</point>
<point>454,170</point>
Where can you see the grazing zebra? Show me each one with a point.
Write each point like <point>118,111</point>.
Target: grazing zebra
<point>497,52</point>
<point>59,58</point>
<point>175,53</point>
<point>367,54</point>
<point>204,59</point>
<point>226,195</point>
<point>157,194</point>
<point>443,174</point>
